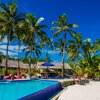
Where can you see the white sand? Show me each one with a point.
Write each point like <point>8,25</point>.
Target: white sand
<point>89,91</point>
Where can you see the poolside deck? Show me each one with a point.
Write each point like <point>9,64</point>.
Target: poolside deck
<point>60,80</point>
<point>90,91</point>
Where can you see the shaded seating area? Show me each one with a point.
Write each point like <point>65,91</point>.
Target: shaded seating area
<point>1,77</point>
<point>53,70</point>
<point>14,77</point>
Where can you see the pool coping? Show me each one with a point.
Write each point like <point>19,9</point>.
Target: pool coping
<point>57,96</point>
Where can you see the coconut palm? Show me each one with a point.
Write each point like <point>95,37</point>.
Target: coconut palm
<point>87,48</point>
<point>9,17</point>
<point>48,44</point>
<point>60,48</point>
<point>34,32</point>
<point>1,57</point>
<point>90,51</point>
<point>74,49</point>
<point>62,26</point>
<point>34,29</point>
<point>20,34</point>
<point>32,50</point>
<point>95,47</point>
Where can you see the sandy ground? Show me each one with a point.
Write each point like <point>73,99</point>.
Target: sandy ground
<point>89,91</point>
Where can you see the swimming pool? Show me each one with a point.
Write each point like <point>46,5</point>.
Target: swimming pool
<point>28,90</point>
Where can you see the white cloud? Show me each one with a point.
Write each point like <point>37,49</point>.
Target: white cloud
<point>4,41</point>
<point>12,51</point>
<point>9,52</point>
<point>50,51</point>
<point>13,48</point>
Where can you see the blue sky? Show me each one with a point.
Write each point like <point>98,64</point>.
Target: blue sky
<point>85,13</point>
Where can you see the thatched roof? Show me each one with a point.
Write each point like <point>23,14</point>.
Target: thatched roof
<point>14,64</point>
<point>57,65</point>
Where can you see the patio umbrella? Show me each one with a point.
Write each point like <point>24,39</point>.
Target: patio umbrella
<point>47,64</point>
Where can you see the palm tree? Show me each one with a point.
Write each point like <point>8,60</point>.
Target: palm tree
<point>60,48</point>
<point>32,50</point>
<point>74,49</point>
<point>95,47</point>
<point>33,31</point>
<point>48,44</point>
<point>1,57</point>
<point>87,48</point>
<point>20,34</point>
<point>9,16</point>
<point>62,26</point>
<point>90,53</point>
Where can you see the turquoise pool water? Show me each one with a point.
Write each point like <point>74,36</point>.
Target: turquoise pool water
<point>16,90</point>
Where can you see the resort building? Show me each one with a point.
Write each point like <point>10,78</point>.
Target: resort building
<point>13,65</point>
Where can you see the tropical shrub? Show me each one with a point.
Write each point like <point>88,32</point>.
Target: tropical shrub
<point>67,83</point>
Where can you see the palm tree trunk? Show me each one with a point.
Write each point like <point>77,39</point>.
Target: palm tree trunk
<point>63,64</point>
<point>74,71</point>
<point>30,60</point>
<point>64,41</point>
<point>47,56</point>
<point>6,65</point>
<point>18,57</point>
<point>63,56</point>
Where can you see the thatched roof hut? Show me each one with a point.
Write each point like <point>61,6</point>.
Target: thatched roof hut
<point>57,65</point>
<point>14,64</point>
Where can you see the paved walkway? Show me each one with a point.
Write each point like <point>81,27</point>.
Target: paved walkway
<point>90,91</point>
<point>60,80</point>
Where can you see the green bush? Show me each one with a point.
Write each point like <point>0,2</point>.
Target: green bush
<point>86,81</point>
<point>67,83</point>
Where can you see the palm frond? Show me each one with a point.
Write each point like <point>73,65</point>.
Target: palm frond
<point>72,33</point>
<point>13,9</point>
<point>63,19</point>
<point>27,53</point>
<point>73,26</point>
<point>57,33</point>
<point>4,7</point>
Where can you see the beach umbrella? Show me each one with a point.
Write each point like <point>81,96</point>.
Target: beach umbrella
<point>47,64</point>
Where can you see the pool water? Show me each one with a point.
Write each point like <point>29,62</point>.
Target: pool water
<point>16,90</point>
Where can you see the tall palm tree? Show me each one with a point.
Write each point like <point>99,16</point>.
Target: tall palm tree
<point>91,56</point>
<point>9,16</point>
<point>1,57</point>
<point>87,47</point>
<point>20,34</point>
<point>62,26</point>
<point>48,44</point>
<point>34,32</point>
<point>32,50</point>
<point>74,49</point>
<point>60,48</point>
<point>34,28</point>
<point>96,47</point>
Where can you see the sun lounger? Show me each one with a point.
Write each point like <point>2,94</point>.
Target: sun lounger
<point>6,77</point>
